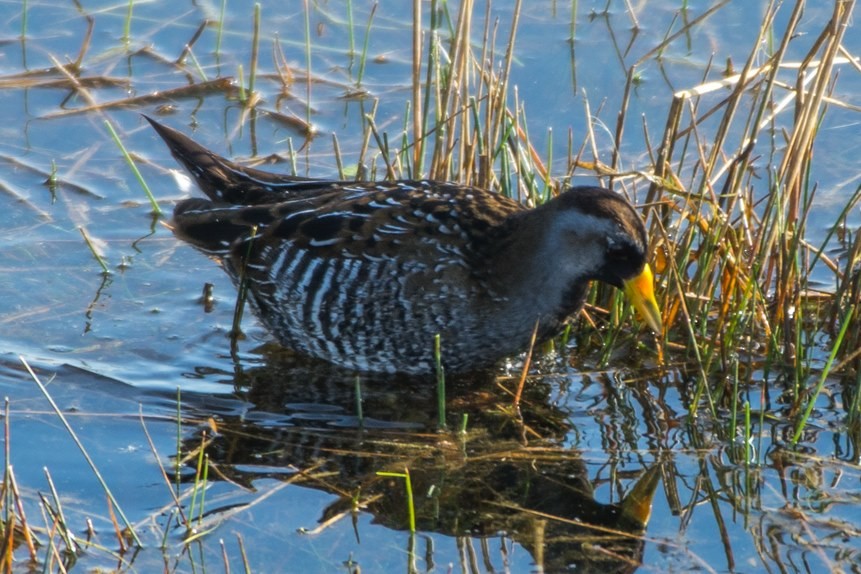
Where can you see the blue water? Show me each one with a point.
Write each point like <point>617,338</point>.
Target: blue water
<point>113,347</point>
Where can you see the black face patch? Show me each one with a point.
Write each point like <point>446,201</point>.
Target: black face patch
<point>622,261</point>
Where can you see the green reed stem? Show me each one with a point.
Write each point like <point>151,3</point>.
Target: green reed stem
<point>197,66</point>
<point>255,50</point>
<point>196,488</point>
<point>95,253</point>
<point>409,486</point>
<point>382,145</point>
<point>855,407</point>
<point>60,517</point>
<point>359,409</point>
<point>240,74</point>
<point>127,27</point>
<point>440,381</point>
<point>203,488</point>
<point>307,62</point>
<point>155,208</point>
<point>339,162</point>
<point>548,180</point>
<point>351,38</point>
<point>747,430</point>
<point>24,19</point>
<point>220,30</point>
<point>242,292</point>
<point>734,411</point>
<point>799,428</point>
<point>364,56</point>
<point>178,457</point>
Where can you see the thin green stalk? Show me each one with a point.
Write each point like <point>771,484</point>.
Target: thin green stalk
<point>60,517</point>
<point>440,382</point>
<point>255,48</point>
<point>197,66</point>
<point>242,292</point>
<point>203,488</point>
<point>747,436</point>
<point>240,75</point>
<point>855,407</point>
<point>171,515</point>
<point>307,62</point>
<point>409,486</point>
<point>220,30</point>
<point>53,181</point>
<point>382,146</point>
<point>196,487</point>
<point>364,56</point>
<point>127,27</point>
<point>351,38</point>
<point>93,250</point>
<point>419,117</point>
<point>733,419</point>
<point>24,19</point>
<point>7,464</point>
<point>548,180</point>
<point>572,31</point>
<point>799,428</point>
<point>291,153</point>
<point>338,160</point>
<point>359,412</point>
<point>404,153</point>
<point>246,566</point>
<point>178,457</point>
<point>83,450</point>
<point>155,208</point>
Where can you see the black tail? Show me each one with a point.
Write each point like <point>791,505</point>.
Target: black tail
<point>224,181</point>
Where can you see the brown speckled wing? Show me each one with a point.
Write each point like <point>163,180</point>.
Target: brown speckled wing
<point>391,220</point>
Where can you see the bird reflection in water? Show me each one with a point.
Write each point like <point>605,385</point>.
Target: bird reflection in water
<point>505,476</point>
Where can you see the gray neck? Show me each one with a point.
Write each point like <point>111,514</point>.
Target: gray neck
<point>538,268</point>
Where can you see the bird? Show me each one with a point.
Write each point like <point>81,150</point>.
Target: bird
<point>365,275</point>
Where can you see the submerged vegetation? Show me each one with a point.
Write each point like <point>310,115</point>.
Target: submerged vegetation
<point>761,308</point>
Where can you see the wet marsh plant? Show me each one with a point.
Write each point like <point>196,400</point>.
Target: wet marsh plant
<point>56,545</point>
<point>738,263</point>
<point>728,192</point>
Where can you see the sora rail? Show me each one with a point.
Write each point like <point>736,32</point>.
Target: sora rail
<point>364,274</point>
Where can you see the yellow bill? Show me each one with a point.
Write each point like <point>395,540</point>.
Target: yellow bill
<point>640,291</point>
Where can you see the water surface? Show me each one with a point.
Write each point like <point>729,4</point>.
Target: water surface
<point>288,452</point>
